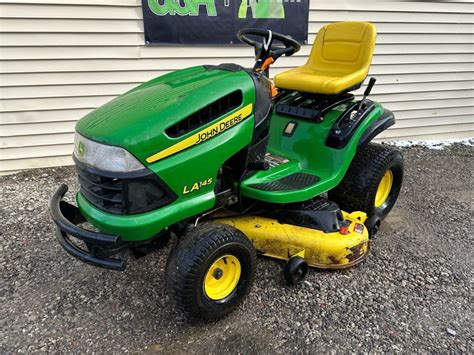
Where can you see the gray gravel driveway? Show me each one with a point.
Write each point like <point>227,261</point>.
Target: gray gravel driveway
<point>414,291</point>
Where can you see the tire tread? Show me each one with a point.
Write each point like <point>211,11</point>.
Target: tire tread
<point>355,192</point>
<point>186,259</point>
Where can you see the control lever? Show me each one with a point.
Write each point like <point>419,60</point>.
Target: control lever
<point>367,92</point>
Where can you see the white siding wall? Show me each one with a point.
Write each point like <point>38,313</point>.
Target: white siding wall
<point>59,59</point>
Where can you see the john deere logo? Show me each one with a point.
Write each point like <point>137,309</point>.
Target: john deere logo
<point>81,149</point>
<point>204,135</point>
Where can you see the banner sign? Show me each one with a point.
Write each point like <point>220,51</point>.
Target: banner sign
<point>217,21</point>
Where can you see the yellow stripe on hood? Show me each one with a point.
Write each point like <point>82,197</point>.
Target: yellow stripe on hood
<point>204,134</point>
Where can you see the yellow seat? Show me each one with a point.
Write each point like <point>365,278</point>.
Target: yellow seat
<point>339,60</point>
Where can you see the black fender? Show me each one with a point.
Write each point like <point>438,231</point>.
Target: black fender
<point>346,125</point>
<point>386,120</point>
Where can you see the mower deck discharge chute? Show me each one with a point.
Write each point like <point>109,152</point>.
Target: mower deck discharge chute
<point>234,165</point>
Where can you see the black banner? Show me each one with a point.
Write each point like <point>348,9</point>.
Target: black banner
<point>217,21</point>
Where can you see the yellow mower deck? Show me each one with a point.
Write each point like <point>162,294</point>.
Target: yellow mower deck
<point>321,250</point>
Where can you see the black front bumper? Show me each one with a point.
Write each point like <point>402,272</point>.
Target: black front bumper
<point>100,246</point>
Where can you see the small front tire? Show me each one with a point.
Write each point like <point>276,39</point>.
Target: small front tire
<point>211,271</point>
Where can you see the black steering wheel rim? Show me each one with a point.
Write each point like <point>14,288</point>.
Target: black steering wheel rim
<point>266,49</point>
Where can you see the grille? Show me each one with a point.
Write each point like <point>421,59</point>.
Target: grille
<point>103,192</point>
<point>205,115</point>
<point>127,195</point>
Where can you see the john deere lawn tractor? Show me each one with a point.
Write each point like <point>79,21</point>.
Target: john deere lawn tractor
<point>233,165</point>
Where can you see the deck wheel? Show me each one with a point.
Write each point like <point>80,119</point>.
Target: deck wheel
<point>295,270</point>
<point>372,224</point>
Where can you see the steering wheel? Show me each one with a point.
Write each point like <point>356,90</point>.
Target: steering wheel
<point>267,52</point>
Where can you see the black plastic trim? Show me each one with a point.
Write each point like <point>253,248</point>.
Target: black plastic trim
<point>108,199</point>
<point>232,67</point>
<point>299,112</point>
<point>317,213</point>
<point>339,135</point>
<point>381,124</point>
<point>311,107</point>
<point>263,99</point>
<point>296,181</point>
<point>123,205</point>
<point>110,187</point>
<point>209,113</point>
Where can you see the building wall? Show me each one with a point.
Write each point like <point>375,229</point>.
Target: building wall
<point>59,59</point>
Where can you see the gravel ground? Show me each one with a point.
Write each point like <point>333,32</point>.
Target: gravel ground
<point>412,293</point>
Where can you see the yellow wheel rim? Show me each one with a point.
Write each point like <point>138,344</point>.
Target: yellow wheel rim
<point>222,277</point>
<point>383,190</point>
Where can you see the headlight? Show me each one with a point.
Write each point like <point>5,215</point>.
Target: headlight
<point>104,157</point>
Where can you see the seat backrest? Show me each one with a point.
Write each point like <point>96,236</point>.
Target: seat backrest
<point>342,48</point>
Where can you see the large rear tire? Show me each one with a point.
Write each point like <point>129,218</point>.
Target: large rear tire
<point>211,271</point>
<point>372,183</point>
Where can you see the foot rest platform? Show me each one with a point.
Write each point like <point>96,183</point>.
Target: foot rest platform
<point>296,181</point>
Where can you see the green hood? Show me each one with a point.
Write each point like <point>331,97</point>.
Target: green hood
<point>137,119</point>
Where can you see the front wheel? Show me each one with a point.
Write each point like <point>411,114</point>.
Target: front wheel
<point>211,271</point>
<point>372,183</point>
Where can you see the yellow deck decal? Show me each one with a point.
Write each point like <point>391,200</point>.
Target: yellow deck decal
<point>204,134</point>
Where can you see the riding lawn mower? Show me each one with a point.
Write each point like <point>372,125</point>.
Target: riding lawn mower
<point>231,165</point>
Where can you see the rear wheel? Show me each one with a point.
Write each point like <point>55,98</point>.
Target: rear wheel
<point>372,183</point>
<point>211,271</point>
